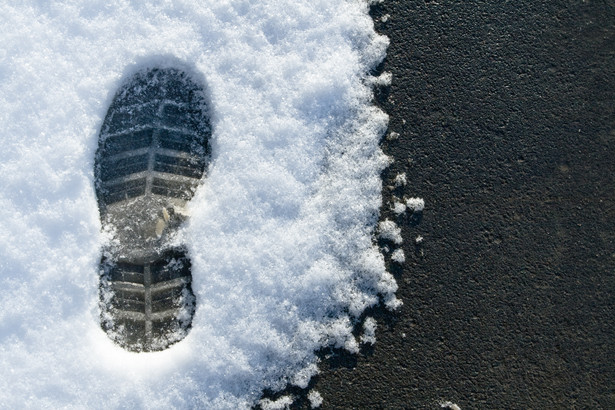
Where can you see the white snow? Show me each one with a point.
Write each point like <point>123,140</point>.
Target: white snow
<point>450,405</point>
<point>281,231</point>
<point>302,377</point>
<point>400,179</point>
<point>389,230</point>
<point>415,204</point>
<point>399,207</point>
<point>315,399</point>
<point>384,79</point>
<point>398,256</point>
<point>369,331</point>
<point>392,136</point>
<point>283,402</point>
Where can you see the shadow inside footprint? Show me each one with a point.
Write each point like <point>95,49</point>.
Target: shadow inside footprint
<point>152,154</point>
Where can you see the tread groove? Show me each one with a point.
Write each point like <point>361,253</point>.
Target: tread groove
<point>153,148</point>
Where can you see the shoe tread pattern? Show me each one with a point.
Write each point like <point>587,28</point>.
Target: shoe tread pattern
<point>153,142</point>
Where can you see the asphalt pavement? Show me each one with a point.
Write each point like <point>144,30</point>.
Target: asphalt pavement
<point>505,112</point>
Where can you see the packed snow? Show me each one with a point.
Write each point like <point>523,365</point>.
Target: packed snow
<point>281,233</point>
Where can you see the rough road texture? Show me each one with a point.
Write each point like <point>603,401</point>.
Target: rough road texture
<point>509,135</point>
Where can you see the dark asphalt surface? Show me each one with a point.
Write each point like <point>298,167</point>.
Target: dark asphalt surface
<point>509,136</point>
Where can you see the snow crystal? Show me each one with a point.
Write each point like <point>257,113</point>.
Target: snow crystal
<point>303,376</point>
<point>389,230</point>
<point>415,204</point>
<point>393,136</point>
<point>400,180</point>
<point>281,233</point>
<point>283,402</point>
<point>315,399</point>
<point>450,405</point>
<point>398,256</point>
<point>369,331</point>
<point>383,80</point>
<point>392,302</point>
<point>399,208</point>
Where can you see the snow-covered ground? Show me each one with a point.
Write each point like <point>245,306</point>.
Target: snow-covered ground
<point>281,231</point>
